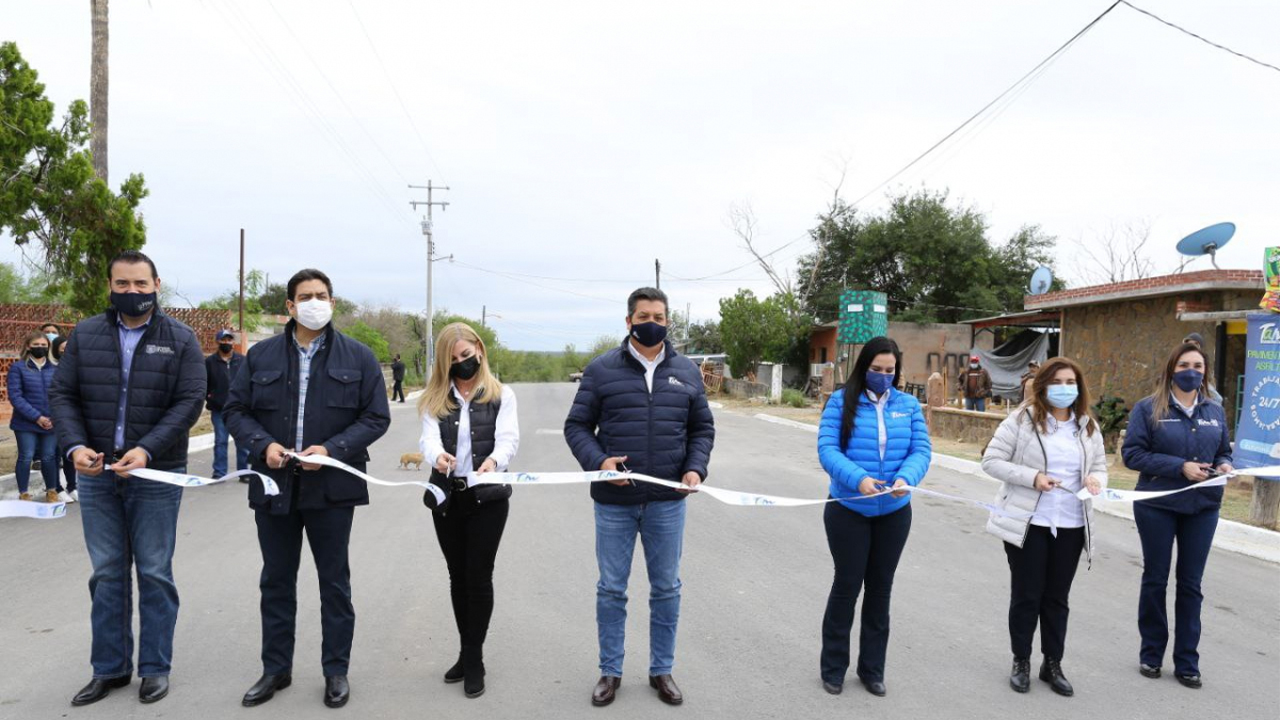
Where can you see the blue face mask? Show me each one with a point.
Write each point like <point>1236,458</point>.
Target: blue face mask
<point>1188,380</point>
<point>878,383</point>
<point>1062,396</point>
<point>649,334</point>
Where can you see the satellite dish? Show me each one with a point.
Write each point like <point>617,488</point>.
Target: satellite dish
<point>1207,241</point>
<point>1041,281</point>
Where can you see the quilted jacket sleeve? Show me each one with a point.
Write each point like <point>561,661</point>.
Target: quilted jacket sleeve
<point>997,461</point>
<point>916,465</point>
<point>845,473</point>
<point>186,403</point>
<point>584,416</point>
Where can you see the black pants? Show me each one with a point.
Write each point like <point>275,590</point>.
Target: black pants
<point>68,472</point>
<point>1041,572</point>
<point>280,537</point>
<point>469,534</point>
<point>866,551</point>
<point>397,390</point>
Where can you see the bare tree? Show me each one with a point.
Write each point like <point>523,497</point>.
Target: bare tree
<point>98,89</point>
<point>1118,254</point>
<point>742,220</point>
<point>832,210</point>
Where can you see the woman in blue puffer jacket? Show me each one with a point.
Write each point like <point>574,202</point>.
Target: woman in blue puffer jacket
<point>28,380</point>
<point>872,439</point>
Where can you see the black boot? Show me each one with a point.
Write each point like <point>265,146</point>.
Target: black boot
<point>1020,678</point>
<point>1051,672</point>
<point>473,670</point>
<point>455,673</point>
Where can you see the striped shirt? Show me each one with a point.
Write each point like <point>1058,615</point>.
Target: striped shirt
<point>305,356</point>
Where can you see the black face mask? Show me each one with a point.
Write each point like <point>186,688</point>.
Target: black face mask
<point>225,347</point>
<point>466,369</point>
<point>38,352</point>
<point>649,334</point>
<point>133,304</point>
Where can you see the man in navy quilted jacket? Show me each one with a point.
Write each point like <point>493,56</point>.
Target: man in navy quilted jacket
<point>130,385</point>
<point>641,407</point>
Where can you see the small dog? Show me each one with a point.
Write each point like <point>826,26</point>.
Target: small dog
<point>408,459</point>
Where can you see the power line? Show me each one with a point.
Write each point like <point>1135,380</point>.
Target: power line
<point>530,282</point>
<point>387,76</point>
<point>771,253</point>
<point>368,135</point>
<point>1198,37</point>
<point>1061,49</point>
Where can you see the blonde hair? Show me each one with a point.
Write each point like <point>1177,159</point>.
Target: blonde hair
<point>437,400</point>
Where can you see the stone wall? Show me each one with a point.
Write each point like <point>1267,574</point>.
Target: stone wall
<point>964,425</point>
<point>1123,345</point>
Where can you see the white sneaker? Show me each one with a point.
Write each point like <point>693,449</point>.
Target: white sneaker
<point>64,497</point>
<point>74,496</point>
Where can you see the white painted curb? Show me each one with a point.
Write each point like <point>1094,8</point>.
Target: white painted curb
<point>1231,536</point>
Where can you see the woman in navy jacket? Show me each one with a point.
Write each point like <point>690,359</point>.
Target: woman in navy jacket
<point>32,423</point>
<point>872,439</point>
<point>1176,437</point>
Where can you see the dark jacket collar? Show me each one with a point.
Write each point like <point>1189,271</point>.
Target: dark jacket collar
<point>669,352</point>
<point>292,325</point>
<point>114,318</point>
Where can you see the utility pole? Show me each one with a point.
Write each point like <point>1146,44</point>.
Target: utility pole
<point>241,333</point>
<point>657,274</point>
<point>484,316</point>
<point>98,74</point>
<point>429,344</point>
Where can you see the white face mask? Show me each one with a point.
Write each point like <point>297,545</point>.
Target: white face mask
<point>314,314</point>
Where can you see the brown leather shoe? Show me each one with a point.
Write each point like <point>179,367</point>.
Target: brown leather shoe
<point>606,690</point>
<point>667,690</point>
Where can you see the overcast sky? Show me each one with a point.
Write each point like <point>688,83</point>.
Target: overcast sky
<point>582,140</point>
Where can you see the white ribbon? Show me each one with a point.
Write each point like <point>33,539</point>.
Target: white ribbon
<point>26,508</point>
<point>269,486</point>
<point>330,462</point>
<point>1110,495</point>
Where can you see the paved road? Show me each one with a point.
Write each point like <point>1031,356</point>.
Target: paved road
<point>755,586</point>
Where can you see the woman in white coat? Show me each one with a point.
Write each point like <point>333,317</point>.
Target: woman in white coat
<point>1044,454</point>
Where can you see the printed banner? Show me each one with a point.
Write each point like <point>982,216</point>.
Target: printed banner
<point>1258,430</point>
<point>184,480</point>
<point>1110,495</point>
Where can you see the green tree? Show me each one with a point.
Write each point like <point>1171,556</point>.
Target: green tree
<point>602,345</point>
<point>49,193</point>
<point>254,283</point>
<point>932,258</point>
<point>775,329</point>
<point>370,337</point>
<point>272,299</point>
<point>15,287</point>
<point>704,338</point>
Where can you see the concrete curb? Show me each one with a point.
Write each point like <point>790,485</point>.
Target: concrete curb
<point>1231,536</point>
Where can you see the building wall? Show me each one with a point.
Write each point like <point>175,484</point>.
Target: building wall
<point>925,348</point>
<point>1123,345</point>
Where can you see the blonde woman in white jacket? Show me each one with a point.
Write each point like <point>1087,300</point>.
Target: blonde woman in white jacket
<point>1044,453</point>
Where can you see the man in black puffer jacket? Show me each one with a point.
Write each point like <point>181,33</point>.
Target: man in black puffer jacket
<point>641,407</point>
<point>308,391</point>
<point>129,387</point>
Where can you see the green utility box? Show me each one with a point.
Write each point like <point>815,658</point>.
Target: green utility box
<point>864,314</point>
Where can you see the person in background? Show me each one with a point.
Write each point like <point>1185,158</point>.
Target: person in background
<point>1044,454</point>
<point>469,428</point>
<point>1198,340</point>
<point>1176,437</point>
<point>397,377</point>
<point>872,440</point>
<point>220,369</point>
<point>1030,375</point>
<point>975,385</point>
<point>56,347</point>
<point>50,331</point>
<point>32,424</point>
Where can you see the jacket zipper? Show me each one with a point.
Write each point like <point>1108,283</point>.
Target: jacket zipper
<point>124,432</point>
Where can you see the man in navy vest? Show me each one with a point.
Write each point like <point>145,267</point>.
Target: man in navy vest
<point>128,389</point>
<point>641,407</point>
<point>309,391</point>
<point>220,368</point>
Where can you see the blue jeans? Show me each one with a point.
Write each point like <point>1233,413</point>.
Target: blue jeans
<point>220,436</point>
<point>978,404</point>
<point>32,445</point>
<point>661,529</point>
<point>129,524</point>
<point>1158,529</point>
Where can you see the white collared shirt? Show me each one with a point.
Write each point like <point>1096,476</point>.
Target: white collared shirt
<point>649,365</point>
<point>1060,508</point>
<point>881,403</point>
<point>506,435</point>
<point>1188,411</point>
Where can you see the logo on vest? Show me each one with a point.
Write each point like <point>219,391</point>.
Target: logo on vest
<point>899,415</point>
<point>673,381</point>
<point>158,350</point>
<point>1207,423</point>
